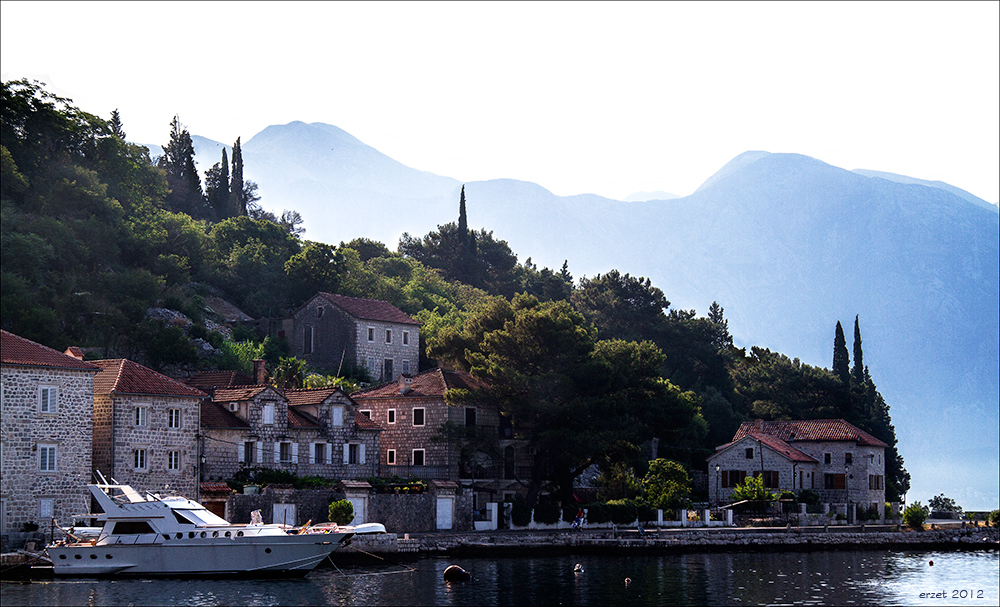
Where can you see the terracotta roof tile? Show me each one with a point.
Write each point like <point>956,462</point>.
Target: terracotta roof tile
<point>16,350</point>
<point>215,488</point>
<point>433,383</point>
<point>214,415</point>
<point>219,379</point>
<point>364,422</point>
<point>809,430</point>
<point>369,309</point>
<point>122,376</point>
<point>311,396</point>
<point>301,419</point>
<point>239,393</point>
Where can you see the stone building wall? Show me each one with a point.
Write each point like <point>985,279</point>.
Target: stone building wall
<point>337,335</point>
<point>865,462</point>
<point>158,440</point>
<point>403,437</point>
<point>24,488</point>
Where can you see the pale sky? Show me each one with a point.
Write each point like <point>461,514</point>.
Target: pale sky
<point>601,98</point>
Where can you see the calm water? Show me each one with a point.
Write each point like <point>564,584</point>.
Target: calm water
<point>744,578</point>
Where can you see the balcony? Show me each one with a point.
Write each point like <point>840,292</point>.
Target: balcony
<point>507,472</point>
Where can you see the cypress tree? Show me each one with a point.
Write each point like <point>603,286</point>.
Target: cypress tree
<point>841,359</point>
<point>217,187</point>
<point>238,201</point>
<point>858,372</point>
<point>463,221</point>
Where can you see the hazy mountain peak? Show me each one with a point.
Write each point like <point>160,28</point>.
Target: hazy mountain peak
<point>740,161</point>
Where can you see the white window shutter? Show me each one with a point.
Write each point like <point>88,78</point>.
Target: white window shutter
<point>347,453</point>
<point>312,453</point>
<point>239,453</point>
<point>362,454</point>
<point>295,453</point>
<point>260,452</point>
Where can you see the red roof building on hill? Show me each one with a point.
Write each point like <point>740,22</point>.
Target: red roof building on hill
<point>333,331</point>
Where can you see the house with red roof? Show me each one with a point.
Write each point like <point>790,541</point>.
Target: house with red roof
<point>841,462</point>
<point>426,438</point>
<point>333,331</point>
<point>45,433</point>
<point>146,428</point>
<point>306,432</point>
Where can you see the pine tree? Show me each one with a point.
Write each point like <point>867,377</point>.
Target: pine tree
<point>182,176</point>
<point>858,372</point>
<point>237,198</point>
<point>841,359</point>
<point>116,125</point>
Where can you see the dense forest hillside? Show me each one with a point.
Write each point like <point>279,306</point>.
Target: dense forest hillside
<point>105,249</point>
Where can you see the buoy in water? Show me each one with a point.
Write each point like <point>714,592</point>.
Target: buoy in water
<point>454,573</point>
<point>628,581</point>
<point>578,568</point>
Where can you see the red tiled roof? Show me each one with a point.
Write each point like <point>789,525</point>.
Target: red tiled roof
<point>215,488</point>
<point>214,415</point>
<point>301,419</point>
<point>433,383</point>
<point>364,422</point>
<point>219,379</point>
<point>809,430</point>
<point>239,393</point>
<point>16,350</point>
<point>311,396</point>
<point>369,309</point>
<point>122,376</point>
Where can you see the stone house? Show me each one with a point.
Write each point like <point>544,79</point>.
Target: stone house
<point>145,428</point>
<point>330,330</point>
<point>426,438</point>
<point>306,432</point>
<point>841,462</point>
<point>46,434</point>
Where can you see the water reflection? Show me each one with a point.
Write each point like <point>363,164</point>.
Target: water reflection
<point>742,578</point>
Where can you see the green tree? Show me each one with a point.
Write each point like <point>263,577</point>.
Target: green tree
<point>841,360</point>
<point>289,374</point>
<point>217,188</point>
<point>317,267</point>
<point>178,161</point>
<point>237,197</point>
<point>574,400</point>
<point>858,371</point>
<point>752,488</point>
<point>667,484</point>
<point>115,124</point>
<point>943,504</point>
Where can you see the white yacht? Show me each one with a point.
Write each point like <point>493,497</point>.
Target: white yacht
<point>149,535</point>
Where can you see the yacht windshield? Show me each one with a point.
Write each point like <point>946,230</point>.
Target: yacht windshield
<point>202,517</point>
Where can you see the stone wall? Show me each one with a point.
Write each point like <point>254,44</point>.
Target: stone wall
<point>399,513</point>
<point>24,488</point>
<point>156,438</point>
<point>403,437</point>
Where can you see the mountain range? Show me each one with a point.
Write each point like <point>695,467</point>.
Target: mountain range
<point>787,244</point>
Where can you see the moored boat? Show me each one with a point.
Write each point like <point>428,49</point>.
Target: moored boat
<point>153,535</point>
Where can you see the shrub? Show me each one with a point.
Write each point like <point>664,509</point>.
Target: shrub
<point>569,512</point>
<point>646,512</point>
<point>752,488</point>
<point>994,518</point>
<point>666,484</point>
<point>786,495</point>
<point>341,512</point>
<point>520,514</point>
<point>598,513</point>
<point>547,513</point>
<point>623,512</point>
<point>915,515</point>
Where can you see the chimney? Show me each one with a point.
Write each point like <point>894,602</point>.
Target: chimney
<point>405,384</point>
<point>757,426</point>
<point>75,352</point>
<point>259,371</point>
